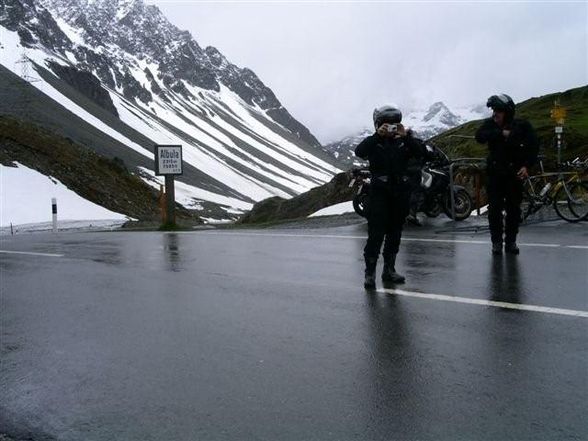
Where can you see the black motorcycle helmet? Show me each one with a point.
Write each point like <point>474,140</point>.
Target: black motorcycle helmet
<point>387,114</point>
<point>502,103</point>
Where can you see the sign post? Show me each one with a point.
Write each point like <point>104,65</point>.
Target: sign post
<point>558,134</point>
<point>168,163</point>
<point>170,199</point>
<point>54,213</point>
<point>558,114</point>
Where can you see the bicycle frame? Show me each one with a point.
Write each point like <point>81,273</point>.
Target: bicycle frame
<point>556,184</point>
<point>539,197</point>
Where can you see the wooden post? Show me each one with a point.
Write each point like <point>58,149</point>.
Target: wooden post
<point>162,205</point>
<point>171,199</point>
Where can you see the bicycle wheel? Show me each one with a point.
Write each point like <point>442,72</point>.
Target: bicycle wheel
<point>528,206</point>
<point>571,202</point>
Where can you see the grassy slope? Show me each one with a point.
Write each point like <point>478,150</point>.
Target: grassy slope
<point>96,178</point>
<point>537,111</point>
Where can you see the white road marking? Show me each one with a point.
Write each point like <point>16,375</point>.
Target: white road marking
<point>467,300</point>
<point>543,245</point>
<point>404,239</point>
<point>422,239</point>
<point>238,233</point>
<point>400,292</point>
<point>27,253</point>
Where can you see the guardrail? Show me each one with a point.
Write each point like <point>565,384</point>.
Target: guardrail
<point>460,162</point>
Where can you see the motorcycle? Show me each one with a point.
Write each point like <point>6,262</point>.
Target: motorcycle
<point>434,184</point>
<point>361,198</point>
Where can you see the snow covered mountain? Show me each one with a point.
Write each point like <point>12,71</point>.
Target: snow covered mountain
<point>126,71</point>
<point>436,119</point>
<point>344,149</point>
<point>426,123</point>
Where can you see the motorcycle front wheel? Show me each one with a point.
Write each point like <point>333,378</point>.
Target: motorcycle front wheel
<point>360,204</point>
<point>463,205</point>
<point>433,209</point>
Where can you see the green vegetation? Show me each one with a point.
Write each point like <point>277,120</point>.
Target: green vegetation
<point>538,112</point>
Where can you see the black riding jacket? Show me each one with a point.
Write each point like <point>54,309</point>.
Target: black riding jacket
<point>390,157</point>
<point>508,155</point>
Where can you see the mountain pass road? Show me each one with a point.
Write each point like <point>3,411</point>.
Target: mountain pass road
<point>240,334</point>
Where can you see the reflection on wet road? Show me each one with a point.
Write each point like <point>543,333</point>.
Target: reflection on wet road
<point>506,281</point>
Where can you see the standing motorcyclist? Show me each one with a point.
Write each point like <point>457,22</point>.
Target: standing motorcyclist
<point>512,149</point>
<point>388,151</point>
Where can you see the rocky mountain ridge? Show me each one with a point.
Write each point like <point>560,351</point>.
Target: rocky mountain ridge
<point>99,33</point>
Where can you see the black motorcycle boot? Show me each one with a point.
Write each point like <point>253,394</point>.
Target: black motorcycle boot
<point>497,248</point>
<point>389,274</point>
<point>370,273</point>
<point>511,248</point>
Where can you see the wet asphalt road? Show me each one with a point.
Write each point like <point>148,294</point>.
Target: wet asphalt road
<point>269,335</point>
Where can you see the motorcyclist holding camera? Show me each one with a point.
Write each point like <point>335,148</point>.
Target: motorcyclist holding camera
<point>388,150</point>
<point>512,149</point>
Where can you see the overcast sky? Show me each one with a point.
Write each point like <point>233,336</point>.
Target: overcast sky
<point>331,63</point>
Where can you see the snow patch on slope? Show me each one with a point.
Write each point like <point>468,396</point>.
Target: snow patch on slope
<point>25,197</point>
<point>341,208</point>
<point>191,197</point>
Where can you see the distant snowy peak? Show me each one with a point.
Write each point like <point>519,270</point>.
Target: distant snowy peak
<point>344,149</point>
<point>440,112</point>
<point>432,121</point>
<point>439,118</point>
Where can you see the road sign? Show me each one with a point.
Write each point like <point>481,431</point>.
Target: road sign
<point>558,113</point>
<point>168,160</point>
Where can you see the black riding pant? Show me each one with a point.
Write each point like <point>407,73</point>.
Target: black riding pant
<point>505,193</point>
<point>388,209</point>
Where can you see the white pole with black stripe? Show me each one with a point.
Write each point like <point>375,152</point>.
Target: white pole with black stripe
<point>54,210</point>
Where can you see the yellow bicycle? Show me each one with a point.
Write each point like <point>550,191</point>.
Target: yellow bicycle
<point>567,191</point>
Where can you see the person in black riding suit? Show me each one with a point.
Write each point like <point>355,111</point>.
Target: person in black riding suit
<point>388,150</point>
<point>512,149</point>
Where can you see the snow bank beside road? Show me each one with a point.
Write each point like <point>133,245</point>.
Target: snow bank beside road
<point>342,208</point>
<point>25,198</point>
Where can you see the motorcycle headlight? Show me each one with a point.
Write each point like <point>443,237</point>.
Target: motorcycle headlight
<point>426,179</point>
